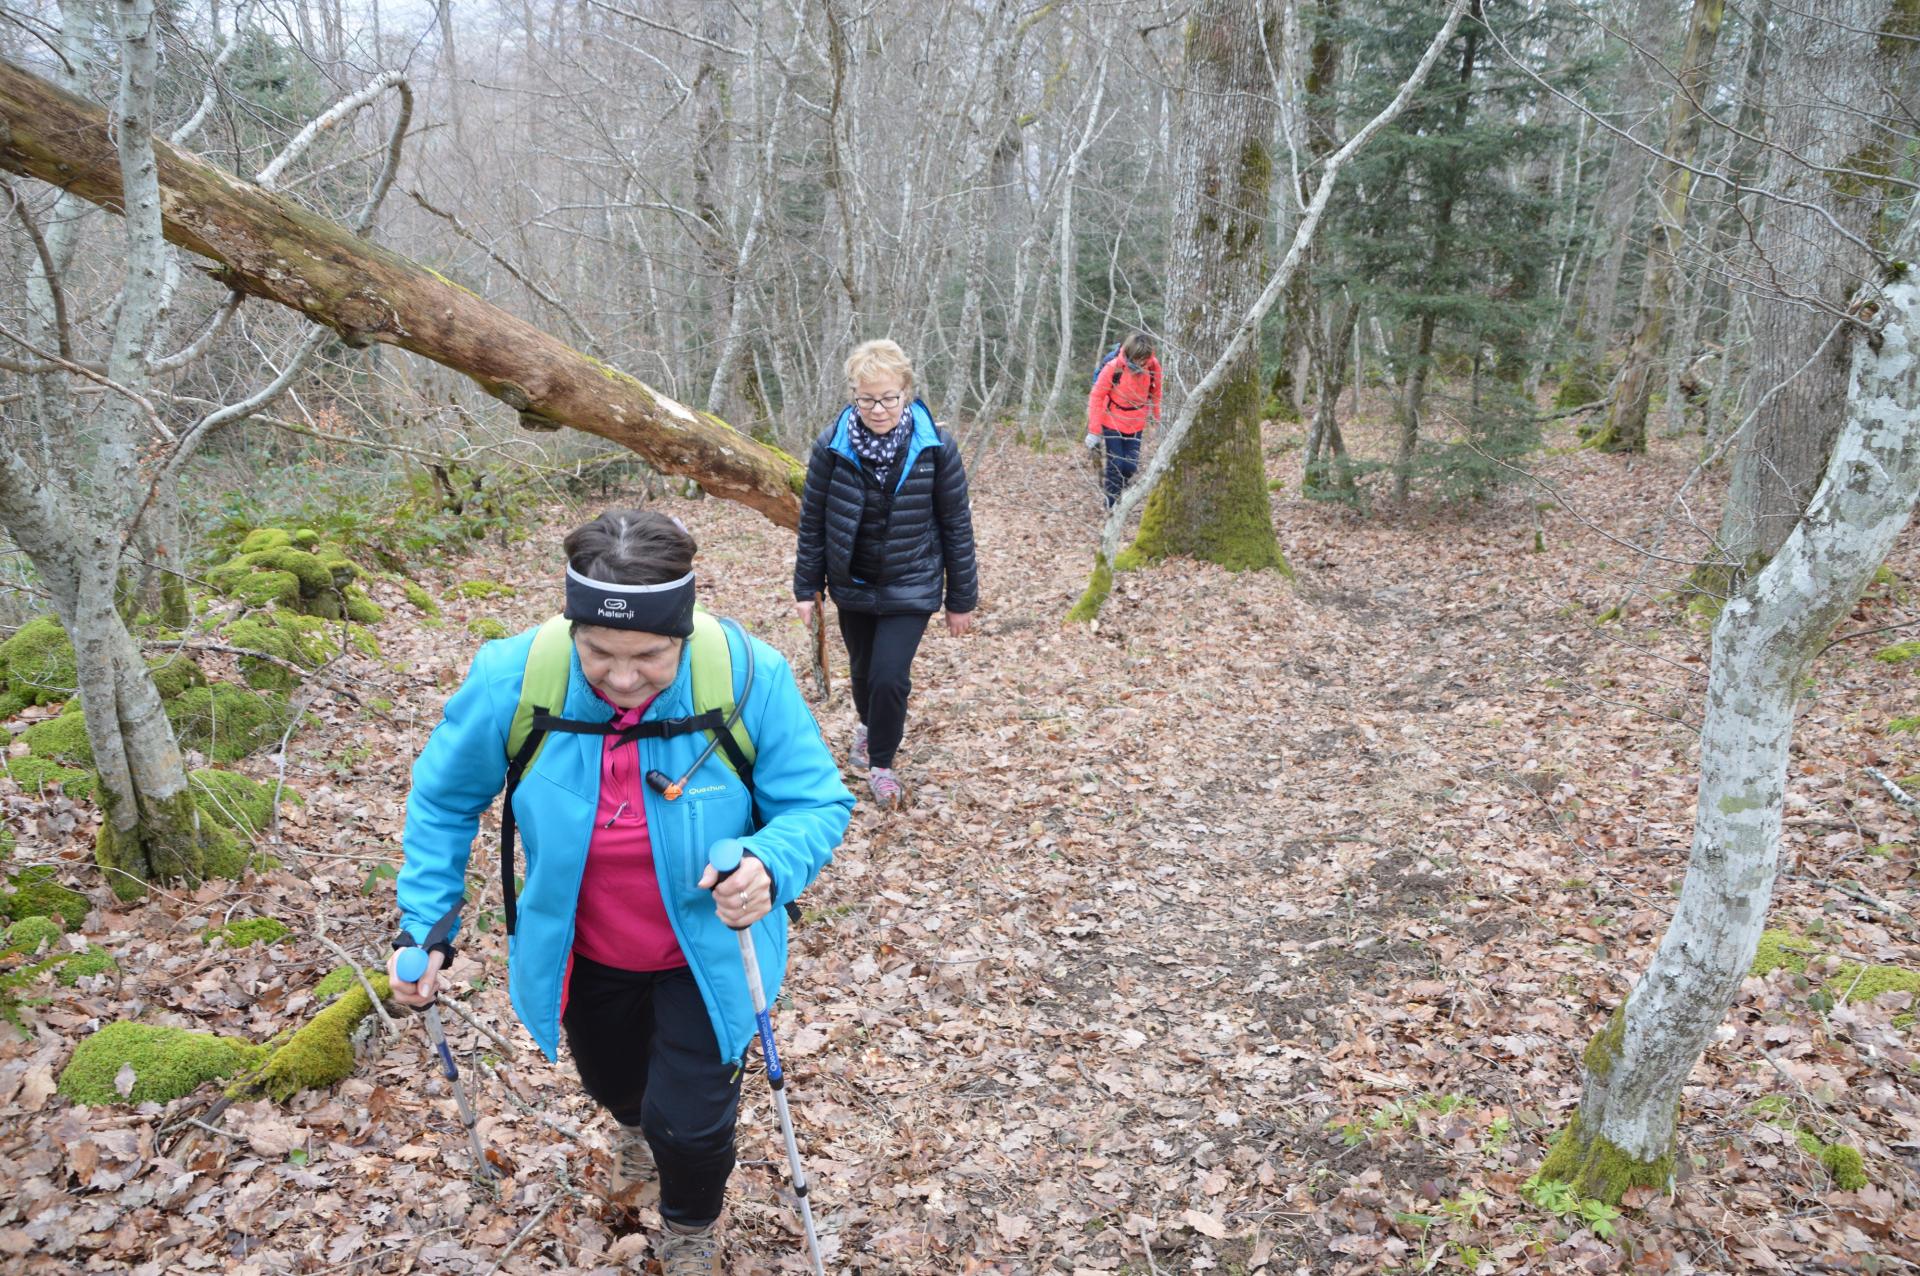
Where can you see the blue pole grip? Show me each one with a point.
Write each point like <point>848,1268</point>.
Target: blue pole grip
<point>726,854</point>
<point>410,965</point>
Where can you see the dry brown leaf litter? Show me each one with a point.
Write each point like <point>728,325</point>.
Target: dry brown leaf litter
<point>1257,929</point>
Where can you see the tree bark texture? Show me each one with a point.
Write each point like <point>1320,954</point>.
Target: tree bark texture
<point>1830,89</point>
<point>1214,503</point>
<point>1767,636</point>
<point>268,246</point>
<point>1626,427</point>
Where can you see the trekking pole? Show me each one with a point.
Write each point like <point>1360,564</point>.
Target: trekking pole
<point>410,965</point>
<point>725,858</point>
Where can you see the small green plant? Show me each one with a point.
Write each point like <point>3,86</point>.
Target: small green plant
<point>1560,1200</point>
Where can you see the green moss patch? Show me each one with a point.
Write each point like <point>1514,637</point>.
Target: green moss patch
<point>306,642</point>
<point>319,1054</point>
<point>31,934</point>
<point>1899,725</point>
<point>62,740</point>
<point>1842,1162</point>
<point>172,675</point>
<point>419,598</point>
<point>37,893</point>
<point>1899,653</point>
<point>35,775</point>
<point>77,966</point>
<point>481,590</point>
<point>1781,949</point>
<point>337,981</point>
<point>486,627</point>
<point>236,802</point>
<point>37,664</point>
<point>1857,982</point>
<point>164,1063</point>
<point>240,934</point>
<point>294,569</point>
<point>227,722</point>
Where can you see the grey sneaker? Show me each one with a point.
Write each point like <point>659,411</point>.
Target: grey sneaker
<point>632,1162</point>
<point>690,1253</point>
<point>888,793</point>
<point>860,761</point>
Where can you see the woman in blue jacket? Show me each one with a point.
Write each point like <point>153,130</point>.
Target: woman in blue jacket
<point>885,525</point>
<point>621,935</point>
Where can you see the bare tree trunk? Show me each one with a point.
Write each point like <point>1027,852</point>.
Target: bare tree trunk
<point>1830,90</point>
<point>1620,195</point>
<point>1215,505</point>
<point>1767,635</point>
<point>270,247</point>
<point>1626,427</point>
<point>1066,254</point>
<point>1242,337</point>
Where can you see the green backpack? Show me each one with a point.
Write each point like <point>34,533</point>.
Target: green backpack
<point>543,691</point>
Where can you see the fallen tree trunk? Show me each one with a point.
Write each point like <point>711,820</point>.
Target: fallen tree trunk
<point>268,246</point>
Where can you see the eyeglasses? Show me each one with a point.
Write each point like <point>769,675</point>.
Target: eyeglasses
<point>887,401</point>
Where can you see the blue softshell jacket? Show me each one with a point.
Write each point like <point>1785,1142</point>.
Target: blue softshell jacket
<point>804,810</point>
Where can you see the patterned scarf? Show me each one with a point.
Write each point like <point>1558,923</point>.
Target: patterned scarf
<point>880,451</point>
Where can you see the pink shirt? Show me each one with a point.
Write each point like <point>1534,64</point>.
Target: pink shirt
<point>620,919</point>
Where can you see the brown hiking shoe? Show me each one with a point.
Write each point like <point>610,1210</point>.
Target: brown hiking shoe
<point>690,1253</point>
<point>632,1164</point>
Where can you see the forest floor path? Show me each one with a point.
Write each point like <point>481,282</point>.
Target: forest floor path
<point>1257,928</point>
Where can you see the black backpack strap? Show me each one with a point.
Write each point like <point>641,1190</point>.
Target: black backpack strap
<point>516,767</point>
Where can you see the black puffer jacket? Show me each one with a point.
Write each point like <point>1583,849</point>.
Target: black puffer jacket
<point>914,543</point>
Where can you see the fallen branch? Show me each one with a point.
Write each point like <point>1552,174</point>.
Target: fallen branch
<point>1905,800</point>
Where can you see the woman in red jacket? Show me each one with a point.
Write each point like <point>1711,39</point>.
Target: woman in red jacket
<point>1126,392</point>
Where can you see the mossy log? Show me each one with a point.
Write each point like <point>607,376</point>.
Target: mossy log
<point>268,246</point>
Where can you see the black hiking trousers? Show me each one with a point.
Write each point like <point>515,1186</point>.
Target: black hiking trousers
<point>880,651</point>
<point>646,1052</point>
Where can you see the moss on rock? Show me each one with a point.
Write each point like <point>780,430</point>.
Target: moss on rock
<point>31,934</point>
<point>227,722</point>
<point>35,774</point>
<point>1842,1162</point>
<point>235,801</point>
<point>362,609</point>
<point>337,981</point>
<point>38,663</point>
<point>247,931</point>
<point>319,1054</point>
<point>166,1063</point>
<point>38,893</point>
<point>62,740</point>
<point>172,675</point>
<point>486,627</point>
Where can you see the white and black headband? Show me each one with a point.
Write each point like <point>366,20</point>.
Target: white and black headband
<point>666,608</point>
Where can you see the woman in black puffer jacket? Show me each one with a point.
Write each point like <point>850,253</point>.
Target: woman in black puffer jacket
<point>885,526</point>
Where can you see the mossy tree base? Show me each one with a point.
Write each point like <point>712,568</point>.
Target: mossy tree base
<point>1101,584</point>
<point>167,842</point>
<point>1597,1170</point>
<point>1213,502</point>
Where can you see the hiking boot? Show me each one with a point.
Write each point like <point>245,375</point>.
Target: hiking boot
<point>690,1253</point>
<point>860,762</point>
<point>888,792</point>
<point>632,1162</point>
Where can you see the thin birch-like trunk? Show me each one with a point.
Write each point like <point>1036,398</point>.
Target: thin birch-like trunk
<point>1767,636</point>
